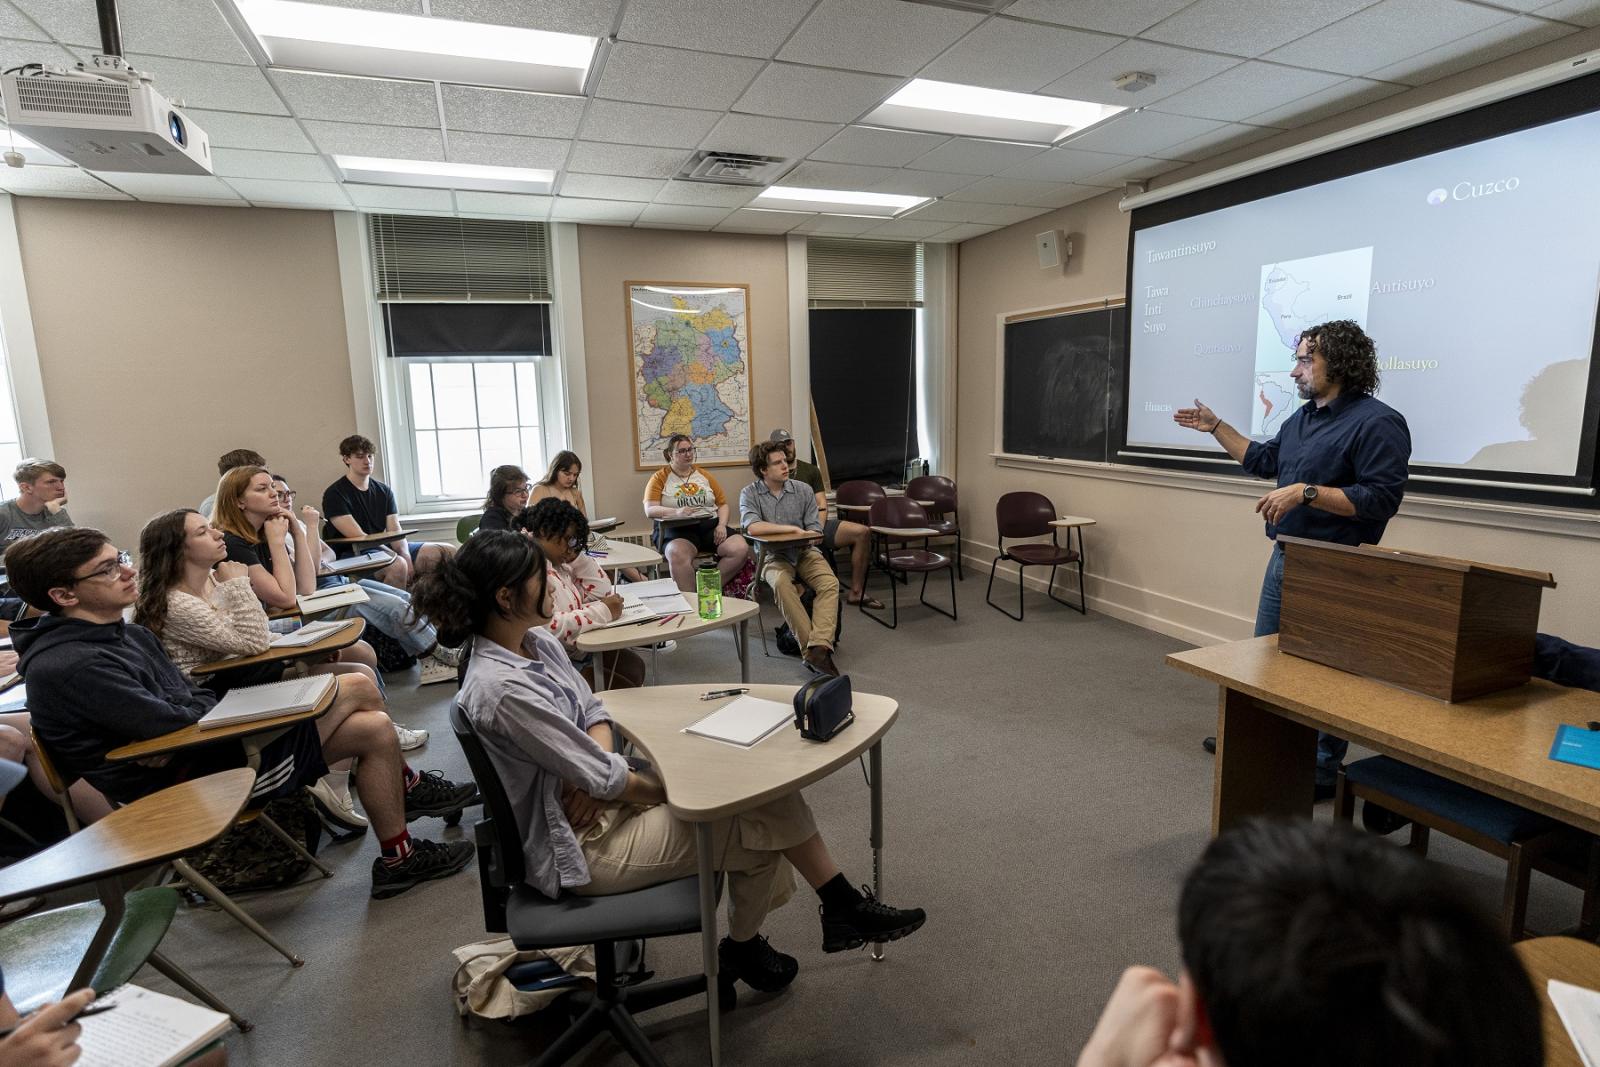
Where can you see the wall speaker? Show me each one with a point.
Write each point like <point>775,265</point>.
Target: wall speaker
<point>1048,245</point>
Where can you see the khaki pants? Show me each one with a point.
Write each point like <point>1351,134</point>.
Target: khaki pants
<point>631,847</point>
<point>814,571</point>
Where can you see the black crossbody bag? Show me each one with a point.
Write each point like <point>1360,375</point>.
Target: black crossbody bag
<point>822,708</point>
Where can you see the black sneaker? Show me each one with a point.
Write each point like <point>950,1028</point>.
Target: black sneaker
<point>428,860</point>
<point>434,794</point>
<point>868,919</point>
<point>757,964</point>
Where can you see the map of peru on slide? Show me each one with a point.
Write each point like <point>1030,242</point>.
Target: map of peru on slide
<point>1296,294</point>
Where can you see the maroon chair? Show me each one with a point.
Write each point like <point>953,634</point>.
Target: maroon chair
<point>858,493</point>
<point>895,554</point>
<point>1028,515</point>
<point>942,514</point>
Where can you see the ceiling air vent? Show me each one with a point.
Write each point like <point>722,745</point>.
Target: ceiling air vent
<point>732,168</point>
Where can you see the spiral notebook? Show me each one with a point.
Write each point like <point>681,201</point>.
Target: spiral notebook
<point>147,1029</point>
<point>248,703</point>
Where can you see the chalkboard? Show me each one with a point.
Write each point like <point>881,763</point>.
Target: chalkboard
<point>1063,384</point>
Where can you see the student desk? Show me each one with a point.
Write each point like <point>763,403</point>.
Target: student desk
<point>707,780</point>
<point>382,537</point>
<point>347,634</point>
<point>357,573</point>
<point>1568,960</point>
<point>1271,706</point>
<point>735,612</point>
<point>185,736</point>
<point>620,554</point>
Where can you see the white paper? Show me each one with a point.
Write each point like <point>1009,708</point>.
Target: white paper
<point>650,600</point>
<point>147,1030</point>
<point>743,722</point>
<point>247,703</point>
<point>1579,1009</point>
<point>335,596</point>
<point>309,634</point>
<point>376,555</point>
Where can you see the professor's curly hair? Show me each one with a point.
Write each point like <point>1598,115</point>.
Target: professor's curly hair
<point>1352,356</point>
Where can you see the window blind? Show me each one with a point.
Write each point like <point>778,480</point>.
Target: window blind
<point>433,258</point>
<point>843,273</point>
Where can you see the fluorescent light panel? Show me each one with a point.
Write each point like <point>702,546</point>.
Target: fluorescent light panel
<point>835,201</point>
<point>413,173</point>
<point>971,111</point>
<point>376,43</point>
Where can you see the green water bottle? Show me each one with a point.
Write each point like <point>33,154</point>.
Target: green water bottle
<point>708,584</point>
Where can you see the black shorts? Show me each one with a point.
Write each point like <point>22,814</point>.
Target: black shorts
<point>829,528</point>
<point>702,534</point>
<point>289,762</point>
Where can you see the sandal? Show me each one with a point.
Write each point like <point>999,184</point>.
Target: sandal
<point>870,601</point>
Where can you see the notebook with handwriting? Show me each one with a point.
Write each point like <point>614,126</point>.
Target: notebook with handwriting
<point>147,1029</point>
<point>247,703</point>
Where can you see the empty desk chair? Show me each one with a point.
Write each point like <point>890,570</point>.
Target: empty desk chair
<point>896,521</point>
<point>942,514</point>
<point>1025,514</point>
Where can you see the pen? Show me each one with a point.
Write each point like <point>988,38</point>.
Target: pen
<point>715,693</point>
<point>1594,726</point>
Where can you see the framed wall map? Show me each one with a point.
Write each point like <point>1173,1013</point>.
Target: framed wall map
<point>689,366</point>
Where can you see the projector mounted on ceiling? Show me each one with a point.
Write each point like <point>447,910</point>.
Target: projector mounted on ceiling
<point>108,117</point>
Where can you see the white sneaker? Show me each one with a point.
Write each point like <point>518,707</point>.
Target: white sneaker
<point>337,813</point>
<point>450,657</point>
<point>664,646</point>
<point>410,739</point>
<point>435,671</point>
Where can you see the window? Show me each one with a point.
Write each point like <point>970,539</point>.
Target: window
<point>468,417</point>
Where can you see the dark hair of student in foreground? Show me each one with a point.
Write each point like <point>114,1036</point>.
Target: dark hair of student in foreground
<point>1316,945</point>
<point>761,454</point>
<point>551,518</point>
<point>564,461</point>
<point>460,595</point>
<point>160,566</point>
<point>502,480</point>
<point>36,565</point>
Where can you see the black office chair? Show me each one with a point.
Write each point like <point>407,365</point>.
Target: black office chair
<point>612,924</point>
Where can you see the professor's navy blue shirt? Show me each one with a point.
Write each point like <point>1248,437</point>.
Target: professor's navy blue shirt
<point>1355,443</point>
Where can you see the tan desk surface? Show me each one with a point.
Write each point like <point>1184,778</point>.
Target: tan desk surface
<point>1565,959</point>
<point>650,631</point>
<point>349,633</point>
<point>1068,521</point>
<point>176,820</point>
<point>621,554</point>
<point>806,537</point>
<point>193,735</point>
<point>380,538</point>
<point>707,779</point>
<point>1499,743</point>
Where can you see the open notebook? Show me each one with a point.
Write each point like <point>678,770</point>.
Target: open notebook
<point>247,703</point>
<point>335,596</point>
<point>650,600</point>
<point>147,1029</point>
<point>362,559</point>
<point>309,634</point>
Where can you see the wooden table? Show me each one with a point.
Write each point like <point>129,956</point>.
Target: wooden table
<point>1568,960</point>
<point>707,780</point>
<point>193,735</point>
<point>348,634</point>
<point>382,537</point>
<point>1272,705</point>
<point>620,554</point>
<point>137,836</point>
<point>735,612</point>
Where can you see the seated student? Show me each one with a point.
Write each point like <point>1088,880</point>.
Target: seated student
<point>561,483</point>
<point>1312,944</point>
<point>680,490</point>
<point>508,494</point>
<point>96,683</point>
<point>581,596</point>
<point>775,504</point>
<point>590,825</point>
<point>40,503</point>
<point>359,504</point>
<point>835,532</point>
<point>238,457</point>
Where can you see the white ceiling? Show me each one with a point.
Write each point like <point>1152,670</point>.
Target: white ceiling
<point>778,77</point>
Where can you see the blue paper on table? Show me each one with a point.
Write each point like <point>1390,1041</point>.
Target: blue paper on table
<point>1574,744</point>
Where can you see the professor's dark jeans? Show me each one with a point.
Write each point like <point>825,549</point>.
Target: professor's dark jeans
<point>1330,749</point>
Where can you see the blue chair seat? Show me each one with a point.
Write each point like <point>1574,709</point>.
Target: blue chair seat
<point>1490,816</point>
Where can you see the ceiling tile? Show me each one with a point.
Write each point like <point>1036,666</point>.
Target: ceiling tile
<point>1126,17</point>
<point>794,92</point>
<point>610,187</point>
<point>733,27</point>
<point>1067,194</point>
<point>705,194</point>
<point>71,24</point>
<point>1175,69</point>
<point>855,34</point>
<point>747,220</point>
<point>591,18</point>
<point>1249,27</point>
<point>813,175</point>
<point>384,142</point>
<point>1215,142</point>
<point>1475,49</point>
<point>837,225</point>
<point>1143,133</point>
<point>875,147</point>
<point>574,209</point>
<point>1005,191</point>
<point>963,233</point>
<point>1064,165</point>
<point>14,53</point>
<point>647,74</point>
<point>196,201</point>
<point>394,198</point>
<point>193,186</point>
<point>679,215</point>
<point>288,166</point>
<point>1246,89</point>
<point>15,24</point>
<point>911,229</point>
<point>951,211</point>
<point>1577,12</point>
<point>187,29</point>
<point>56,181</point>
<point>789,138</point>
<point>394,7</point>
<point>503,150</point>
<point>646,124</point>
<point>468,107</point>
<point>1386,33</point>
<point>1132,170</point>
<point>998,215</point>
<point>924,183</point>
<point>1019,56</point>
<point>342,98</point>
<point>1353,93</point>
<point>532,207</point>
<point>298,194</point>
<point>590,157</point>
<point>228,129</point>
<point>219,86</point>
<point>968,155</point>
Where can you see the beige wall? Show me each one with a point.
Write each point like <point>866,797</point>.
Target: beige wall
<point>168,334</point>
<point>611,256</point>
<point>1187,559</point>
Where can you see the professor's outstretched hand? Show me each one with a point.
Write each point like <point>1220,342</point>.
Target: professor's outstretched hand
<point>1198,417</point>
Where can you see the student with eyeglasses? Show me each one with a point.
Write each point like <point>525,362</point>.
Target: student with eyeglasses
<point>681,490</point>
<point>508,494</point>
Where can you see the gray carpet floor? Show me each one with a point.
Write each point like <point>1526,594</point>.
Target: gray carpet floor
<point>1045,793</point>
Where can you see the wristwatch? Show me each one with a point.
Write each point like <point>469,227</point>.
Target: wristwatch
<point>1308,494</point>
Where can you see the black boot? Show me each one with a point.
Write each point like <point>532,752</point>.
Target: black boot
<point>756,963</point>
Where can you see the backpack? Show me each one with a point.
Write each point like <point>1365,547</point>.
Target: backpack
<point>249,857</point>
<point>391,655</point>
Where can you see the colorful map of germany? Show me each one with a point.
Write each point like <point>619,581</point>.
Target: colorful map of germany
<point>685,358</point>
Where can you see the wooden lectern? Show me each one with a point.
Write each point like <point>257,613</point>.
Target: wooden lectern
<point>1447,628</point>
